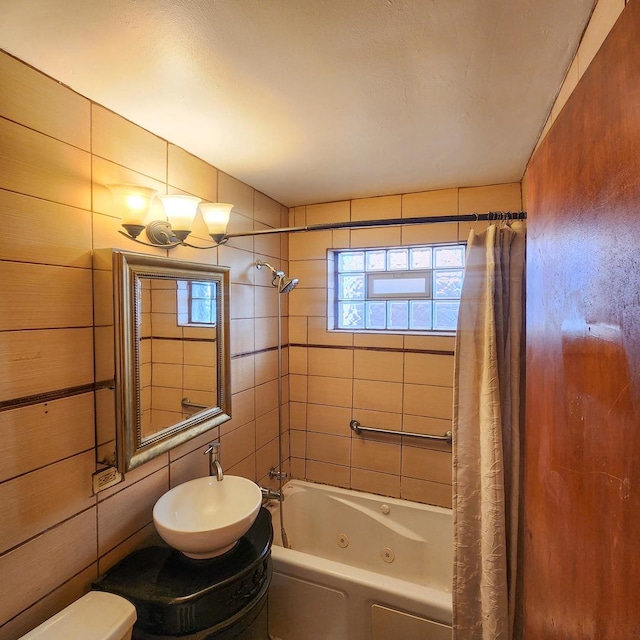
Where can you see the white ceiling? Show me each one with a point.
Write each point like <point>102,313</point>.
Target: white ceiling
<point>318,100</point>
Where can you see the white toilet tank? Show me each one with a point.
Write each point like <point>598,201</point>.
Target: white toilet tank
<point>96,616</point>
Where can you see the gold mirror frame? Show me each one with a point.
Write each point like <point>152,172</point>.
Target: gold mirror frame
<point>129,271</point>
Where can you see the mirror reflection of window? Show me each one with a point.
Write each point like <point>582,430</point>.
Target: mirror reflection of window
<point>197,303</point>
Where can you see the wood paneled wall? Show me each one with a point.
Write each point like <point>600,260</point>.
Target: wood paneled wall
<point>582,498</point>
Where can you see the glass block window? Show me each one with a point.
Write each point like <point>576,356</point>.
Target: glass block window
<point>202,303</point>
<point>399,289</point>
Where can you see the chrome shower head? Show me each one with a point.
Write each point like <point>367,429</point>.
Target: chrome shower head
<point>287,284</point>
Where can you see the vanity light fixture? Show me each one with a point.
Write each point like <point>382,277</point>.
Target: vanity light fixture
<point>135,204</point>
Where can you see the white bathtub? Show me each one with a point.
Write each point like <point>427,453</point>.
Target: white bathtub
<point>360,567</point>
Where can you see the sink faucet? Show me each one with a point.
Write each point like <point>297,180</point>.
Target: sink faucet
<point>215,468</point>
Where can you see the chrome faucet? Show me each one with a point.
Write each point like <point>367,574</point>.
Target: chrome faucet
<point>215,468</point>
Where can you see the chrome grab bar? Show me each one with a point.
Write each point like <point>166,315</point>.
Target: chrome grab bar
<point>358,428</point>
<point>187,404</point>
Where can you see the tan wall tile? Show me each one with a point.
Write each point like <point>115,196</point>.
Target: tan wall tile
<point>234,191</point>
<point>329,391</point>
<point>328,419</point>
<point>23,92</point>
<point>64,550</point>
<point>430,343</point>
<point>266,397</point>
<point>500,197</point>
<point>116,522</point>
<point>237,445</point>
<point>427,368</point>
<point>41,361</point>
<point>44,296</point>
<point>192,175</point>
<point>44,232</point>
<point>380,420</point>
<point>427,492</point>
<point>423,400</point>
<point>298,443</point>
<point>378,396</point>
<point>325,473</point>
<point>242,336</point>
<point>242,373</point>
<point>443,202</point>
<point>266,458</point>
<point>268,246</point>
<point>428,425</point>
<point>310,246</point>
<point>49,605</point>
<point>378,340</point>
<point>376,365</point>
<point>426,464</point>
<point>336,363</point>
<point>329,212</point>
<point>375,456</point>
<point>428,233</point>
<point>267,428</point>
<point>379,208</point>
<point>245,468</point>
<point>242,410</point>
<point>41,499</point>
<point>242,265</point>
<point>376,237</point>
<point>267,210</point>
<point>308,302</point>
<point>298,415</point>
<point>119,140</point>
<point>38,435</point>
<point>318,334</point>
<point>266,301</point>
<point>383,484</point>
<point>36,165</point>
<point>328,448</point>
<point>311,274</point>
<point>193,465</point>
<point>266,333</point>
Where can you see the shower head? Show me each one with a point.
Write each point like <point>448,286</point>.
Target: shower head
<point>279,280</point>
<point>287,284</point>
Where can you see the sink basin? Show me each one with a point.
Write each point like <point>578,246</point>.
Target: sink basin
<point>204,518</point>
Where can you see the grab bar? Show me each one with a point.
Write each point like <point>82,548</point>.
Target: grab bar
<point>358,428</point>
<point>187,404</point>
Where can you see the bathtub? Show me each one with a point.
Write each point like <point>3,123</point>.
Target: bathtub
<point>360,567</point>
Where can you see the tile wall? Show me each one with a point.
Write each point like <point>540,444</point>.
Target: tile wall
<point>57,151</point>
<point>384,381</point>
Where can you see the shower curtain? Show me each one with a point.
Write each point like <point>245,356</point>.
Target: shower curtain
<point>487,420</point>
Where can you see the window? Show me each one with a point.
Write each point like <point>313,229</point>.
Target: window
<point>196,303</point>
<point>399,289</point>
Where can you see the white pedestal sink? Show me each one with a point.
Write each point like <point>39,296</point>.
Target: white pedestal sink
<point>205,517</point>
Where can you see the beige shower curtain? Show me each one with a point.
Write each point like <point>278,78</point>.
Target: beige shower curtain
<point>486,434</point>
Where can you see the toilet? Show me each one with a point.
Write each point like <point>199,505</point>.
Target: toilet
<point>98,615</point>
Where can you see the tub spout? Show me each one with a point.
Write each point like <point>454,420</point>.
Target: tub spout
<point>271,494</point>
<point>215,468</point>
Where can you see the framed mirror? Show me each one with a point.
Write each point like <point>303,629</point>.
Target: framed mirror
<point>171,354</point>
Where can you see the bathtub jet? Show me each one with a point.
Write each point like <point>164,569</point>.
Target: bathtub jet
<point>359,565</point>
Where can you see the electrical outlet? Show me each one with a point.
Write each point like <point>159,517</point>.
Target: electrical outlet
<point>106,478</point>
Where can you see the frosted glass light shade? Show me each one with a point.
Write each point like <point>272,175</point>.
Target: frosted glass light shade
<point>216,217</point>
<point>180,211</point>
<point>132,201</point>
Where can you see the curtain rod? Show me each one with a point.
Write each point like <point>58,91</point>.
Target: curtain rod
<point>492,216</point>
